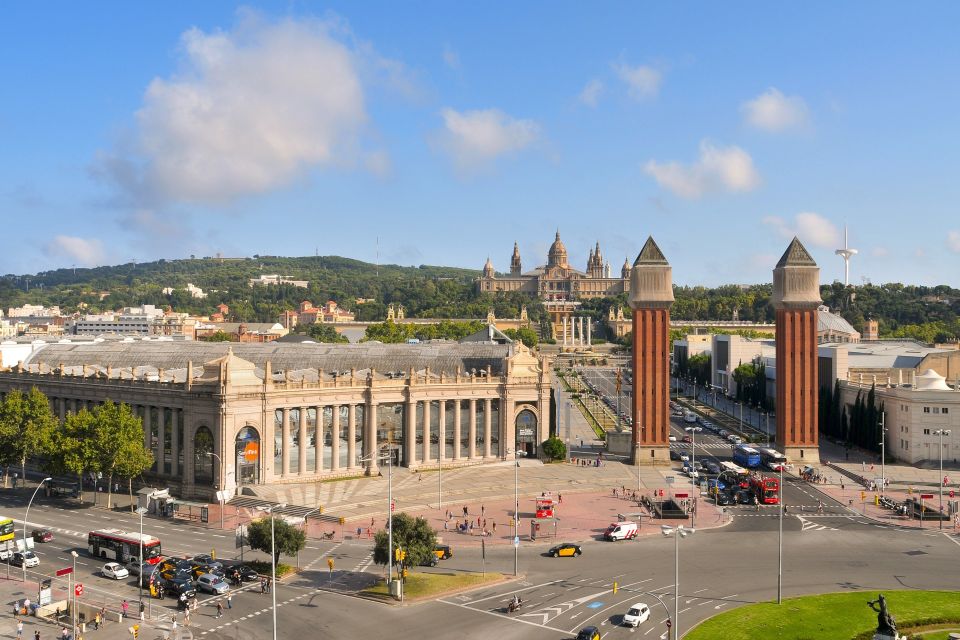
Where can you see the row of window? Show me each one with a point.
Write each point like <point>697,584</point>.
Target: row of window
<point>936,410</point>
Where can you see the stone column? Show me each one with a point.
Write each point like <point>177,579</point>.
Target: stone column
<point>472,431</point>
<point>146,428</point>
<point>175,442</point>
<point>410,434</point>
<point>456,430</point>
<point>335,439</point>
<point>442,437</point>
<point>370,447</point>
<point>589,332</point>
<point>161,436</point>
<point>580,329</point>
<point>285,444</point>
<point>564,330</point>
<point>318,441</point>
<point>508,442</point>
<point>352,436</point>
<point>426,430</point>
<point>487,430</point>
<point>304,443</point>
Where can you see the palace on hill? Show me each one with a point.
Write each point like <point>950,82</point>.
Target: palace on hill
<point>557,281</point>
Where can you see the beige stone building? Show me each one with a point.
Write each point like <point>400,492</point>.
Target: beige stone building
<point>220,415</point>
<point>558,281</point>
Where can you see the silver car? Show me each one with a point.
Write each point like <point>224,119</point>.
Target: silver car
<point>212,583</point>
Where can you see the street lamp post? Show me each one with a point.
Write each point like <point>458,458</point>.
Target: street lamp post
<point>26,517</point>
<point>73,594</point>
<point>517,454</point>
<point>211,454</point>
<point>141,511</point>
<point>883,451</point>
<point>677,532</point>
<point>273,562</point>
<point>741,416</point>
<point>941,433</point>
<point>780,540</point>
<point>388,456</point>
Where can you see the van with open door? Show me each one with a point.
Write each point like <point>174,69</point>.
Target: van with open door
<point>621,531</point>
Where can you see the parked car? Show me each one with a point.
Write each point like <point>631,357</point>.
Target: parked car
<point>25,559</point>
<point>212,583</point>
<point>687,439</point>
<point>42,535</point>
<point>636,615</point>
<point>565,550</point>
<point>672,438</point>
<point>114,570</point>
<point>674,455</point>
<point>724,498</point>
<point>135,568</point>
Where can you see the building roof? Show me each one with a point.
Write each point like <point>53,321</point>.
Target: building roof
<point>796,255</point>
<point>443,357</point>
<point>886,354</point>
<point>650,254</point>
<point>832,323</point>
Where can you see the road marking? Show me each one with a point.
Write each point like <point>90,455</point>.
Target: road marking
<point>501,595</point>
<point>503,617</point>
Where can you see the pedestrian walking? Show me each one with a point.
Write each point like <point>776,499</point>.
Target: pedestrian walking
<point>19,629</point>
<point>219,609</point>
<point>36,635</point>
<point>186,617</point>
<point>143,610</point>
<point>263,585</point>
<point>64,633</point>
<point>560,498</point>
<point>483,509</point>
<point>124,608</point>
<point>495,524</point>
<point>372,523</point>
<point>229,601</point>
<point>444,525</point>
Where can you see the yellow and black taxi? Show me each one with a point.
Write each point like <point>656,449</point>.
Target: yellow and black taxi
<point>567,549</point>
<point>589,633</point>
<point>443,552</point>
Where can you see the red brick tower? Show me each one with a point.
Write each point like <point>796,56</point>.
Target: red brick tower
<point>796,296</point>
<point>651,295</point>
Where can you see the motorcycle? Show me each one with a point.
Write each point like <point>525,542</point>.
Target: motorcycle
<point>514,606</point>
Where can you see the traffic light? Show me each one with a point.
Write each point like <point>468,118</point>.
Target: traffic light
<point>403,556</point>
<point>863,496</point>
<point>876,499</point>
<point>615,587</point>
<point>330,563</point>
<point>405,573</point>
<point>396,554</point>
<point>320,511</point>
<point>342,521</point>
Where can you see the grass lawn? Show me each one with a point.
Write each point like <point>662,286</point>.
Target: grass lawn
<point>423,585</point>
<point>838,616</point>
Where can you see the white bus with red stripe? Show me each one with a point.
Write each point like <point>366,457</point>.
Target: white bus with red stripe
<point>122,546</point>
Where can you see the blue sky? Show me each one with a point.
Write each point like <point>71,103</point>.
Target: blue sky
<point>443,132</point>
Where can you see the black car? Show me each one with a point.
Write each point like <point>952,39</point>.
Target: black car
<point>744,497</point>
<point>567,549</point>
<point>247,574</point>
<point>725,497</point>
<point>711,467</point>
<point>216,568</point>
<point>674,455</point>
<point>589,633</point>
<point>178,587</point>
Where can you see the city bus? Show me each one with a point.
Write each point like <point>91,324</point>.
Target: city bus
<point>772,458</point>
<point>7,529</point>
<point>122,546</point>
<point>746,456</point>
<point>734,475</point>
<point>766,489</point>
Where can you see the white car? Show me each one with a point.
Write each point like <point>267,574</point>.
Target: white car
<point>672,438</point>
<point>115,571</point>
<point>684,457</point>
<point>636,615</point>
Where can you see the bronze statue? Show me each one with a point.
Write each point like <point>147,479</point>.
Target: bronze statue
<point>885,622</point>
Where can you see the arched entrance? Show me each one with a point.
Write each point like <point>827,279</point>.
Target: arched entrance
<point>248,456</point>
<point>526,426</point>
<point>203,461</point>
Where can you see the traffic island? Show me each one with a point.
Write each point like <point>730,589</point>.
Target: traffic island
<point>838,616</point>
<point>426,586</point>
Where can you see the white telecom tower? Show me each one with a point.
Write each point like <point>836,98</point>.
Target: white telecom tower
<point>846,253</point>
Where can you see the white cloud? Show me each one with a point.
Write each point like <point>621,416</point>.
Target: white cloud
<point>642,82</point>
<point>879,252</point>
<point>476,138</point>
<point>774,112</point>
<point>717,169</point>
<point>451,58</point>
<point>252,110</point>
<point>953,241</point>
<point>591,93</point>
<point>82,251</point>
<point>812,228</point>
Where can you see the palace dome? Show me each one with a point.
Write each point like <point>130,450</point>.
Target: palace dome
<point>557,256</point>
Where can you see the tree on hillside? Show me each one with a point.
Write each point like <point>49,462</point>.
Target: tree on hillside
<point>27,425</point>
<point>118,434</point>
<point>290,539</point>
<point>326,333</point>
<point>413,535</point>
<point>526,335</point>
<point>218,336</point>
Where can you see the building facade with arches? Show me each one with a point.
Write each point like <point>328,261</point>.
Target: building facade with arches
<point>221,416</point>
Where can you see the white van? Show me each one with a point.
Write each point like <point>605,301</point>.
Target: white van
<point>621,531</point>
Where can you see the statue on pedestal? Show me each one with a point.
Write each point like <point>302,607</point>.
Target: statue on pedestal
<point>886,625</point>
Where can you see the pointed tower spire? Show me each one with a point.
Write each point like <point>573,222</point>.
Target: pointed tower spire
<point>515,267</point>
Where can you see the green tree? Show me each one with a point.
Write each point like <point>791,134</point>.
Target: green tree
<point>526,335</point>
<point>74,448</point>
<point>27,425</point>
<point>132,463</point>
<point>554,448</point>
<point>413,535</point>
<point>326,333</point>
<point>290,539</point>
<point>118,434</point>
<point>218,336</point>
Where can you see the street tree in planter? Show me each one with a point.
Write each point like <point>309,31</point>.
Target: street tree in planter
<point>118,434</point>
<point>74,447</point>
<point>290,539</point>
<point>27,425</point>
<point>413,535</point>
<point>554,448</point>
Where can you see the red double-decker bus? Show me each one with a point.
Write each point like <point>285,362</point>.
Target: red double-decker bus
<point>767,489</point>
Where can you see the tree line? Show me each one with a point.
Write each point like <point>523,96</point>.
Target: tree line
<point>861,427</point>
<point>106,440</point>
